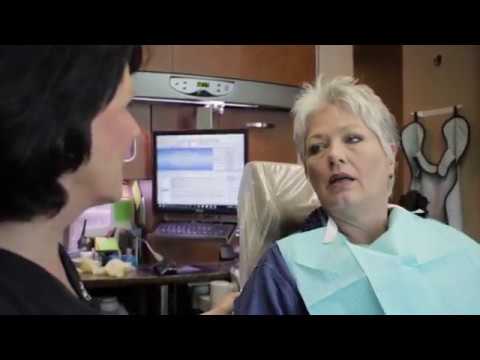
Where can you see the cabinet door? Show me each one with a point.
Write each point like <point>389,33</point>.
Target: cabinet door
<point>169,117</point>
<point>267,144</point>
<point>157,58</point>
<point>381,68</point>
<point>140,167</point>
<point>284,64</point>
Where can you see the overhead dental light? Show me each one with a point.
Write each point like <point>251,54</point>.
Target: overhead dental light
<point>212,92</point>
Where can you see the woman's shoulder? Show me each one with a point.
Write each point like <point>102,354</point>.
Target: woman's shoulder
<point>301,239</point>
<point>432,225</point>
<point>21,283</point>
<point>271,289</point>
<point>272,263</point>
<point>433,232</point>
<point>448,233</point>
<point>307,248</point>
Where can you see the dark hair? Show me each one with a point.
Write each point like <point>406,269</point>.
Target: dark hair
<point>49,96</point>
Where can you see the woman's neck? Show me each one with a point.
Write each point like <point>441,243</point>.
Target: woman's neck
<point>37,240</point>
<point>362,226</point>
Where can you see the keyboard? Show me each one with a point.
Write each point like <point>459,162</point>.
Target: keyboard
<point>194,230</point>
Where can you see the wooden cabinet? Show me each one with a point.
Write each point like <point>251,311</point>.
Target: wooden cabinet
<point>283,64</point>
<point>157,58</point>
<point>381,68</point>
<point>141,165</point>
<point>173,117</point>
<point>268,144</point>
<point>264,144</point>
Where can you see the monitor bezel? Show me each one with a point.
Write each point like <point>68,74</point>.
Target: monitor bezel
<point>219,210</point>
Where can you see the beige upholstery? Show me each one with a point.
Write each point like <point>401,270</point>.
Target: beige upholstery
<point>274,200</point>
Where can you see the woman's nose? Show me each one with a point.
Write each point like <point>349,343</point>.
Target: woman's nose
<point>336,155</point>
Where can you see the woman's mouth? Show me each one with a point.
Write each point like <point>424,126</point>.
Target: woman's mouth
<point>340,181</point>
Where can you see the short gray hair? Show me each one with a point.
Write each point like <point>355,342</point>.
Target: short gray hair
<point>360,100</point>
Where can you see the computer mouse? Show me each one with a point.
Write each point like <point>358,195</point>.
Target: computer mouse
<point>162,269</point>
<point>169,271</point>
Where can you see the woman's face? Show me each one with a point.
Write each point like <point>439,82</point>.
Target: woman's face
<point>345,162</point>
<point>113,131</point>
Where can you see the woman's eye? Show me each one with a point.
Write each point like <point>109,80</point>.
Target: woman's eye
<point>353,139</point>
<point>315,149</point>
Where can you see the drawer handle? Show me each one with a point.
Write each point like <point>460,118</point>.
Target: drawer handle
<point>259,125</point>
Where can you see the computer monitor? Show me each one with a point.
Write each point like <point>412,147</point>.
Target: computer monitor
<point>198,171</point>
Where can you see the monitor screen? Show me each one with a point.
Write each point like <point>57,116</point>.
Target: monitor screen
<point>198,171</point>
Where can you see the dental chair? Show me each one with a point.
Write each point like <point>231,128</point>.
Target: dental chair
<point>274,201</point>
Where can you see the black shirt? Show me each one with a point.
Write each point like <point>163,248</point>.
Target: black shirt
<point>28,289</point>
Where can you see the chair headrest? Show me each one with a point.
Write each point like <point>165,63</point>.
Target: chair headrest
<point>274,200</point>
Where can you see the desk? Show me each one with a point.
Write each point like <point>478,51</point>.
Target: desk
<point>166,283</point>
<point>139,278</point>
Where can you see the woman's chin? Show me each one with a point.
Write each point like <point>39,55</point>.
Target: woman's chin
<point>340,202</point>
<point>107,197</point>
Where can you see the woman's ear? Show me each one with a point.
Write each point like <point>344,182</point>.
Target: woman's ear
<point>393,160</point>
<point>394,149</point>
